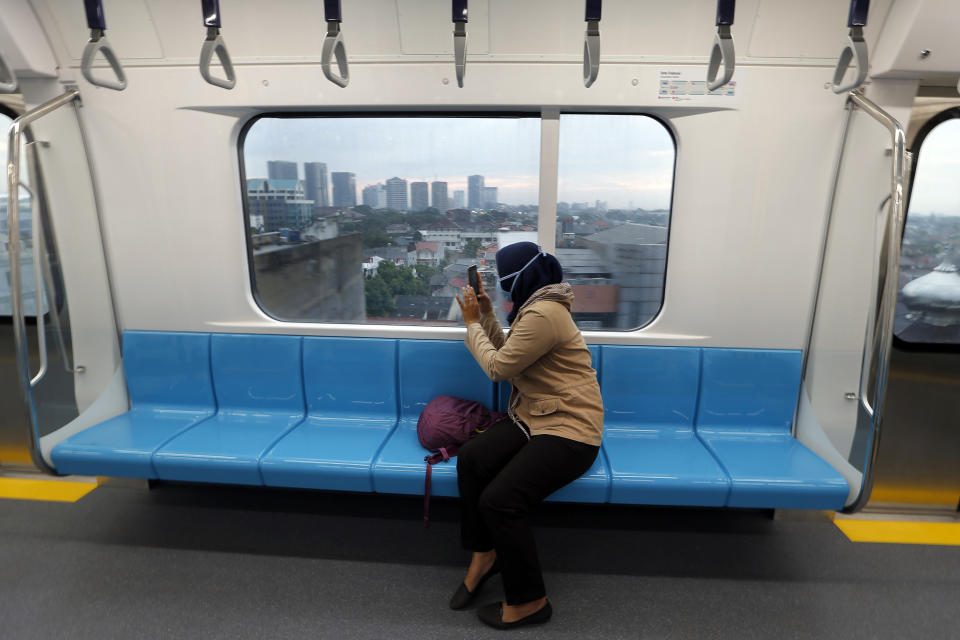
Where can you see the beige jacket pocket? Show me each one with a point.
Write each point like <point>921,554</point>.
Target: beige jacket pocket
<point>544,407</point>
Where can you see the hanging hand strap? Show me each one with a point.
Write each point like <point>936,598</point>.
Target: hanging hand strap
<point>855,51</point>
<point>333,46</point>
<point>459,10</point>
<point>591,42</point>
<point>214,43</point>
<point>98,42</point>
<point>722,51</point>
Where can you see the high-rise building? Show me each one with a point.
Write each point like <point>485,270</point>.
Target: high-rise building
<point>397,194</point>
<point>315,181</point>
<point>419,196</point>
<point>474,195</point>
<point>375,196</point>
<point>488,197</point>
<point>438,196</point>
<point>458,199</point>
<point>281,170</point>
<point>344,189</point>
<point>279,203</point>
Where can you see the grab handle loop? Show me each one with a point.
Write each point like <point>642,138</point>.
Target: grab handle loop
<point>591,42</point>
<point>722,51</point>
<point>214,43</point>
<point>8,79</point>
<point>333,46</point>
<point>98,43</point>
<point>855,51</point>
<point>459,10</point>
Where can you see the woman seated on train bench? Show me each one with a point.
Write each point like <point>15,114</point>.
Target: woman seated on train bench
<point>551,438</point>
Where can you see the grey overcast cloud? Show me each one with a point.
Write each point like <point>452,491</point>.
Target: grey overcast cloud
<point>616,159</point>
<point>620,160</point>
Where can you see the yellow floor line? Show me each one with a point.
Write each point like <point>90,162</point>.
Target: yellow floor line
<point>39,489</point>
<point>900,532</point>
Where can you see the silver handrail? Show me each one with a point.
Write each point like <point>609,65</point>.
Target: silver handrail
<point>879,333</point>
<point>15,134</point>
<point>33,170</point>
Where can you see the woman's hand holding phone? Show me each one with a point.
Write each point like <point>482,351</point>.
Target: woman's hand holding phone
<point>486,305</point>
<point>469,305</point>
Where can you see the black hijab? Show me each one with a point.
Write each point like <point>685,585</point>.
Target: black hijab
<point>539,270</point>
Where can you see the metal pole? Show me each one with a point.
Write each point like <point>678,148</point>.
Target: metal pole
<point>15,134</point>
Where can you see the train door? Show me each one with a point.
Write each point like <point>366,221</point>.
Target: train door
<point>60,348</point>
<point>918,465</point>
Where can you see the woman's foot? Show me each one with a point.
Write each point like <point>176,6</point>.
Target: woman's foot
<point>480,564</point>
<point>483,566</point>
<point>500,615</point>
<point>512,613</point>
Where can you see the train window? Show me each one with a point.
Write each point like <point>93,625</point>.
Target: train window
<point>376,219</point>
<point>25,208</point>
<point>613,215</point>
<point>928,305</point>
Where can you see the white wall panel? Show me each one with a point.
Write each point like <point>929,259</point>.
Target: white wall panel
<point>23,43</point>
<point>809,29</point>
<point>130,27</point>
<point>426,27</point>
<point>914,26</point>
<point>747,215</point>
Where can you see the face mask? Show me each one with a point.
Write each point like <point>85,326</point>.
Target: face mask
<point>509,294</point>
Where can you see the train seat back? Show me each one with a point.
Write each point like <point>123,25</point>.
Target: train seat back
<point>427,369</point>
<point>351,396</point>
<point>168,378</point>
<point>650,403</point>
<point>747,401</point>
<point>259,388</point>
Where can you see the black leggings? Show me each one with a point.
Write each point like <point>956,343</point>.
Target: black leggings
<point>502,475</point>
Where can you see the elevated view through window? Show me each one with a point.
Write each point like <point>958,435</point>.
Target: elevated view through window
<point>25,209</point>
<point>376,220</point>
<point>928,307</point>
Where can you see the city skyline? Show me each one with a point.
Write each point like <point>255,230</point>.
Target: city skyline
<point>615,159</point>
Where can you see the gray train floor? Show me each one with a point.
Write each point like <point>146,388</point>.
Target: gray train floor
<point>218,562</point>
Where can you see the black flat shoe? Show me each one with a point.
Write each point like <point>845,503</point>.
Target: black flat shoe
<point>492,614</point>
<point>463,596</point>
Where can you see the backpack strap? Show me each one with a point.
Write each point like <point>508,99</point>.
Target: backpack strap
<point>444,454</point>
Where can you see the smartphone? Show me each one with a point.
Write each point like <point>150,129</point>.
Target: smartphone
<point>473,279</point>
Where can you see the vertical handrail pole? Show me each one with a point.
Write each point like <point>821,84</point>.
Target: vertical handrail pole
<point>15,135</point>
<point>880,322</point>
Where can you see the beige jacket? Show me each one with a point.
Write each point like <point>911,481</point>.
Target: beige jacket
<point>544,357</point>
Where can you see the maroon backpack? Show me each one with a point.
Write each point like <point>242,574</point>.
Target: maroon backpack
<point>445,424</point>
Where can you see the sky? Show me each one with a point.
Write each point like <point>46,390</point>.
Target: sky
<point>621,160</point>
<point>936,187</point>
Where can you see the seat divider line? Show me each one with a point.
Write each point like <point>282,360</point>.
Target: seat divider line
<point>216,410</point>
<point>696,431</point>
<point>396,423</point>
<point>288,430</point>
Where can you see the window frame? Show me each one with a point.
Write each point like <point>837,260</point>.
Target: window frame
<point>540,113</point>
<point>951,113</point>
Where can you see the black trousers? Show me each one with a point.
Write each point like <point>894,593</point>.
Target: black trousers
<point>501,475</point>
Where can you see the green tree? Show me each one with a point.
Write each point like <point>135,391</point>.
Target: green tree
<point>378,298</point>
<point>471,247</point>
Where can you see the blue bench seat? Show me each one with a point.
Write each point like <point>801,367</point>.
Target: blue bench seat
<point>351,399</point>
<point>748,398</point>
<point>168,380</point>
<point>683,426</point>
<point>259,392</point>
<point>427,369</point>
<point>650,402</point>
